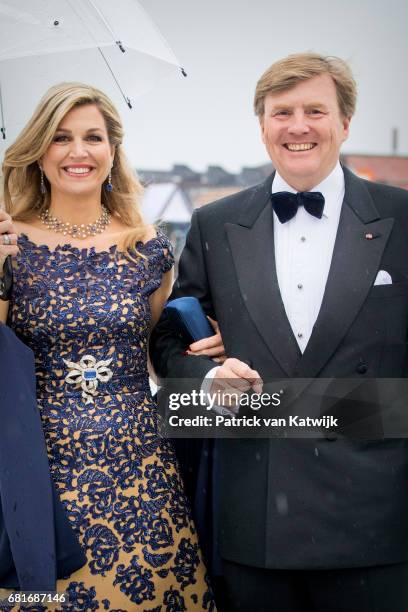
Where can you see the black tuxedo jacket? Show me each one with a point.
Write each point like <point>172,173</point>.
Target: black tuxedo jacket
<point>302,503</point>
<point>37,543</point>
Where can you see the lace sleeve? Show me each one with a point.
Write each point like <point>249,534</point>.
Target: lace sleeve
<point>160,259</point>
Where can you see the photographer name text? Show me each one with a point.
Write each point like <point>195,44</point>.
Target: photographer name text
<point>325,422</point>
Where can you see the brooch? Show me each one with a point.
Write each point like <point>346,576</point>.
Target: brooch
<point>87,373</point>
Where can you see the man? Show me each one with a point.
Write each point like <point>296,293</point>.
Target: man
<point>310,287</point>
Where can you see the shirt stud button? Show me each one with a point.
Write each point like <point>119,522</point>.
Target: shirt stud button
<point>300,286</point>
<point>300,335</point>
<point>303,239</point>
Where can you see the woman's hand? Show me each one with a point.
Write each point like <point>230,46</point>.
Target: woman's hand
<point>211,347</point>
<point>8,238</point>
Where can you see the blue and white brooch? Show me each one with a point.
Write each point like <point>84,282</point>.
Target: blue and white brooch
<point>88,373</point>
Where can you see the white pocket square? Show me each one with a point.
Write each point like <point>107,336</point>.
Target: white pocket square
<point>383,278</point>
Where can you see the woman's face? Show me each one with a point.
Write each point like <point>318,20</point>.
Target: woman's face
<point>80,156</point>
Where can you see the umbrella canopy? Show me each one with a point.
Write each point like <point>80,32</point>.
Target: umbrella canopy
<point>112,45</point>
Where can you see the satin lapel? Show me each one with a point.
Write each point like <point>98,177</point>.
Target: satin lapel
<point>355,263</point>
<point>253,251</point>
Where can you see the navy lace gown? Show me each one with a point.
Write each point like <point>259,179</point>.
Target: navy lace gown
<point>86,316</point>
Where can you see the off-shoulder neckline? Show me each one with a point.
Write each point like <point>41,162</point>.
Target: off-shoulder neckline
<point>86,251</point>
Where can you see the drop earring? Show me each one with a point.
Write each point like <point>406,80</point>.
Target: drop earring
<point>42,183</point>
<point>109,186</point>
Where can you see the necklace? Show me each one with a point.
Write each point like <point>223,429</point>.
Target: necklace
<point>76,231</point>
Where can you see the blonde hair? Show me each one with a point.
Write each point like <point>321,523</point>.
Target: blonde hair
<point>291,70</point>
<point>21,172</point>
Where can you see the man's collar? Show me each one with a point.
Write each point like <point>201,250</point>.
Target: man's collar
<point>332,185</point>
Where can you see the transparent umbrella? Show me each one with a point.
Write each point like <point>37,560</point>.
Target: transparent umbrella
<point>112,45</point>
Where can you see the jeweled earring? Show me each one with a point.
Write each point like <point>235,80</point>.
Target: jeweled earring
<point>42,183</point>
<point>108,185</point>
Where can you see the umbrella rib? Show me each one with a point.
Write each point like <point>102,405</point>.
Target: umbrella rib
<point>73,9</point>
<point>107,25</point>
<point>158,32</point>
<point>126,99</point>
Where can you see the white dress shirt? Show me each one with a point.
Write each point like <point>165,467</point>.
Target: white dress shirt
<point>303,253</point>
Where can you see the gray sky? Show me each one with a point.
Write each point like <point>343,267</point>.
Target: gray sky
<point>225,45</point>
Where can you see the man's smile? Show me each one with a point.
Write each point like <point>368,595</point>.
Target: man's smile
<point>300,146</point>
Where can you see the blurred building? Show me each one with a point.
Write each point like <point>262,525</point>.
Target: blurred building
<point>216,176</point>
<point>204,187</point>
<point>181,174</point>
<point>388,169</point>
<point>168,205</point>
<point>183,189</point>
<point>172,195</point>
<point>250,176</point>
<point>205,195</point>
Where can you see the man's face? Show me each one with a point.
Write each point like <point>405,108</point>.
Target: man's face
<point>303,129</point>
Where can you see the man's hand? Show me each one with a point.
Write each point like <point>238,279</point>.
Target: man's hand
<point>211,347</point>
<point>232,379</point>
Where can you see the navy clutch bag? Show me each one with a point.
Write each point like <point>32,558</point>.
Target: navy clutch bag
<point>188,319</point>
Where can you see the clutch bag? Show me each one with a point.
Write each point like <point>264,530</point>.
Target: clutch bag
<point>188,319</point>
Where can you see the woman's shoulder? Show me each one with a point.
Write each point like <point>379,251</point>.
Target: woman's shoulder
<point>29,231</point>
<point>154,240</point>
<point>158,258</point>
<point>157,247</point>
<point>149,234</point>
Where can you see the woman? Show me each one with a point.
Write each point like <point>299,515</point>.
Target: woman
<point>90,280</point>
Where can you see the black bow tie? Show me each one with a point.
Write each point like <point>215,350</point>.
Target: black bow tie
<point>286,204</point>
